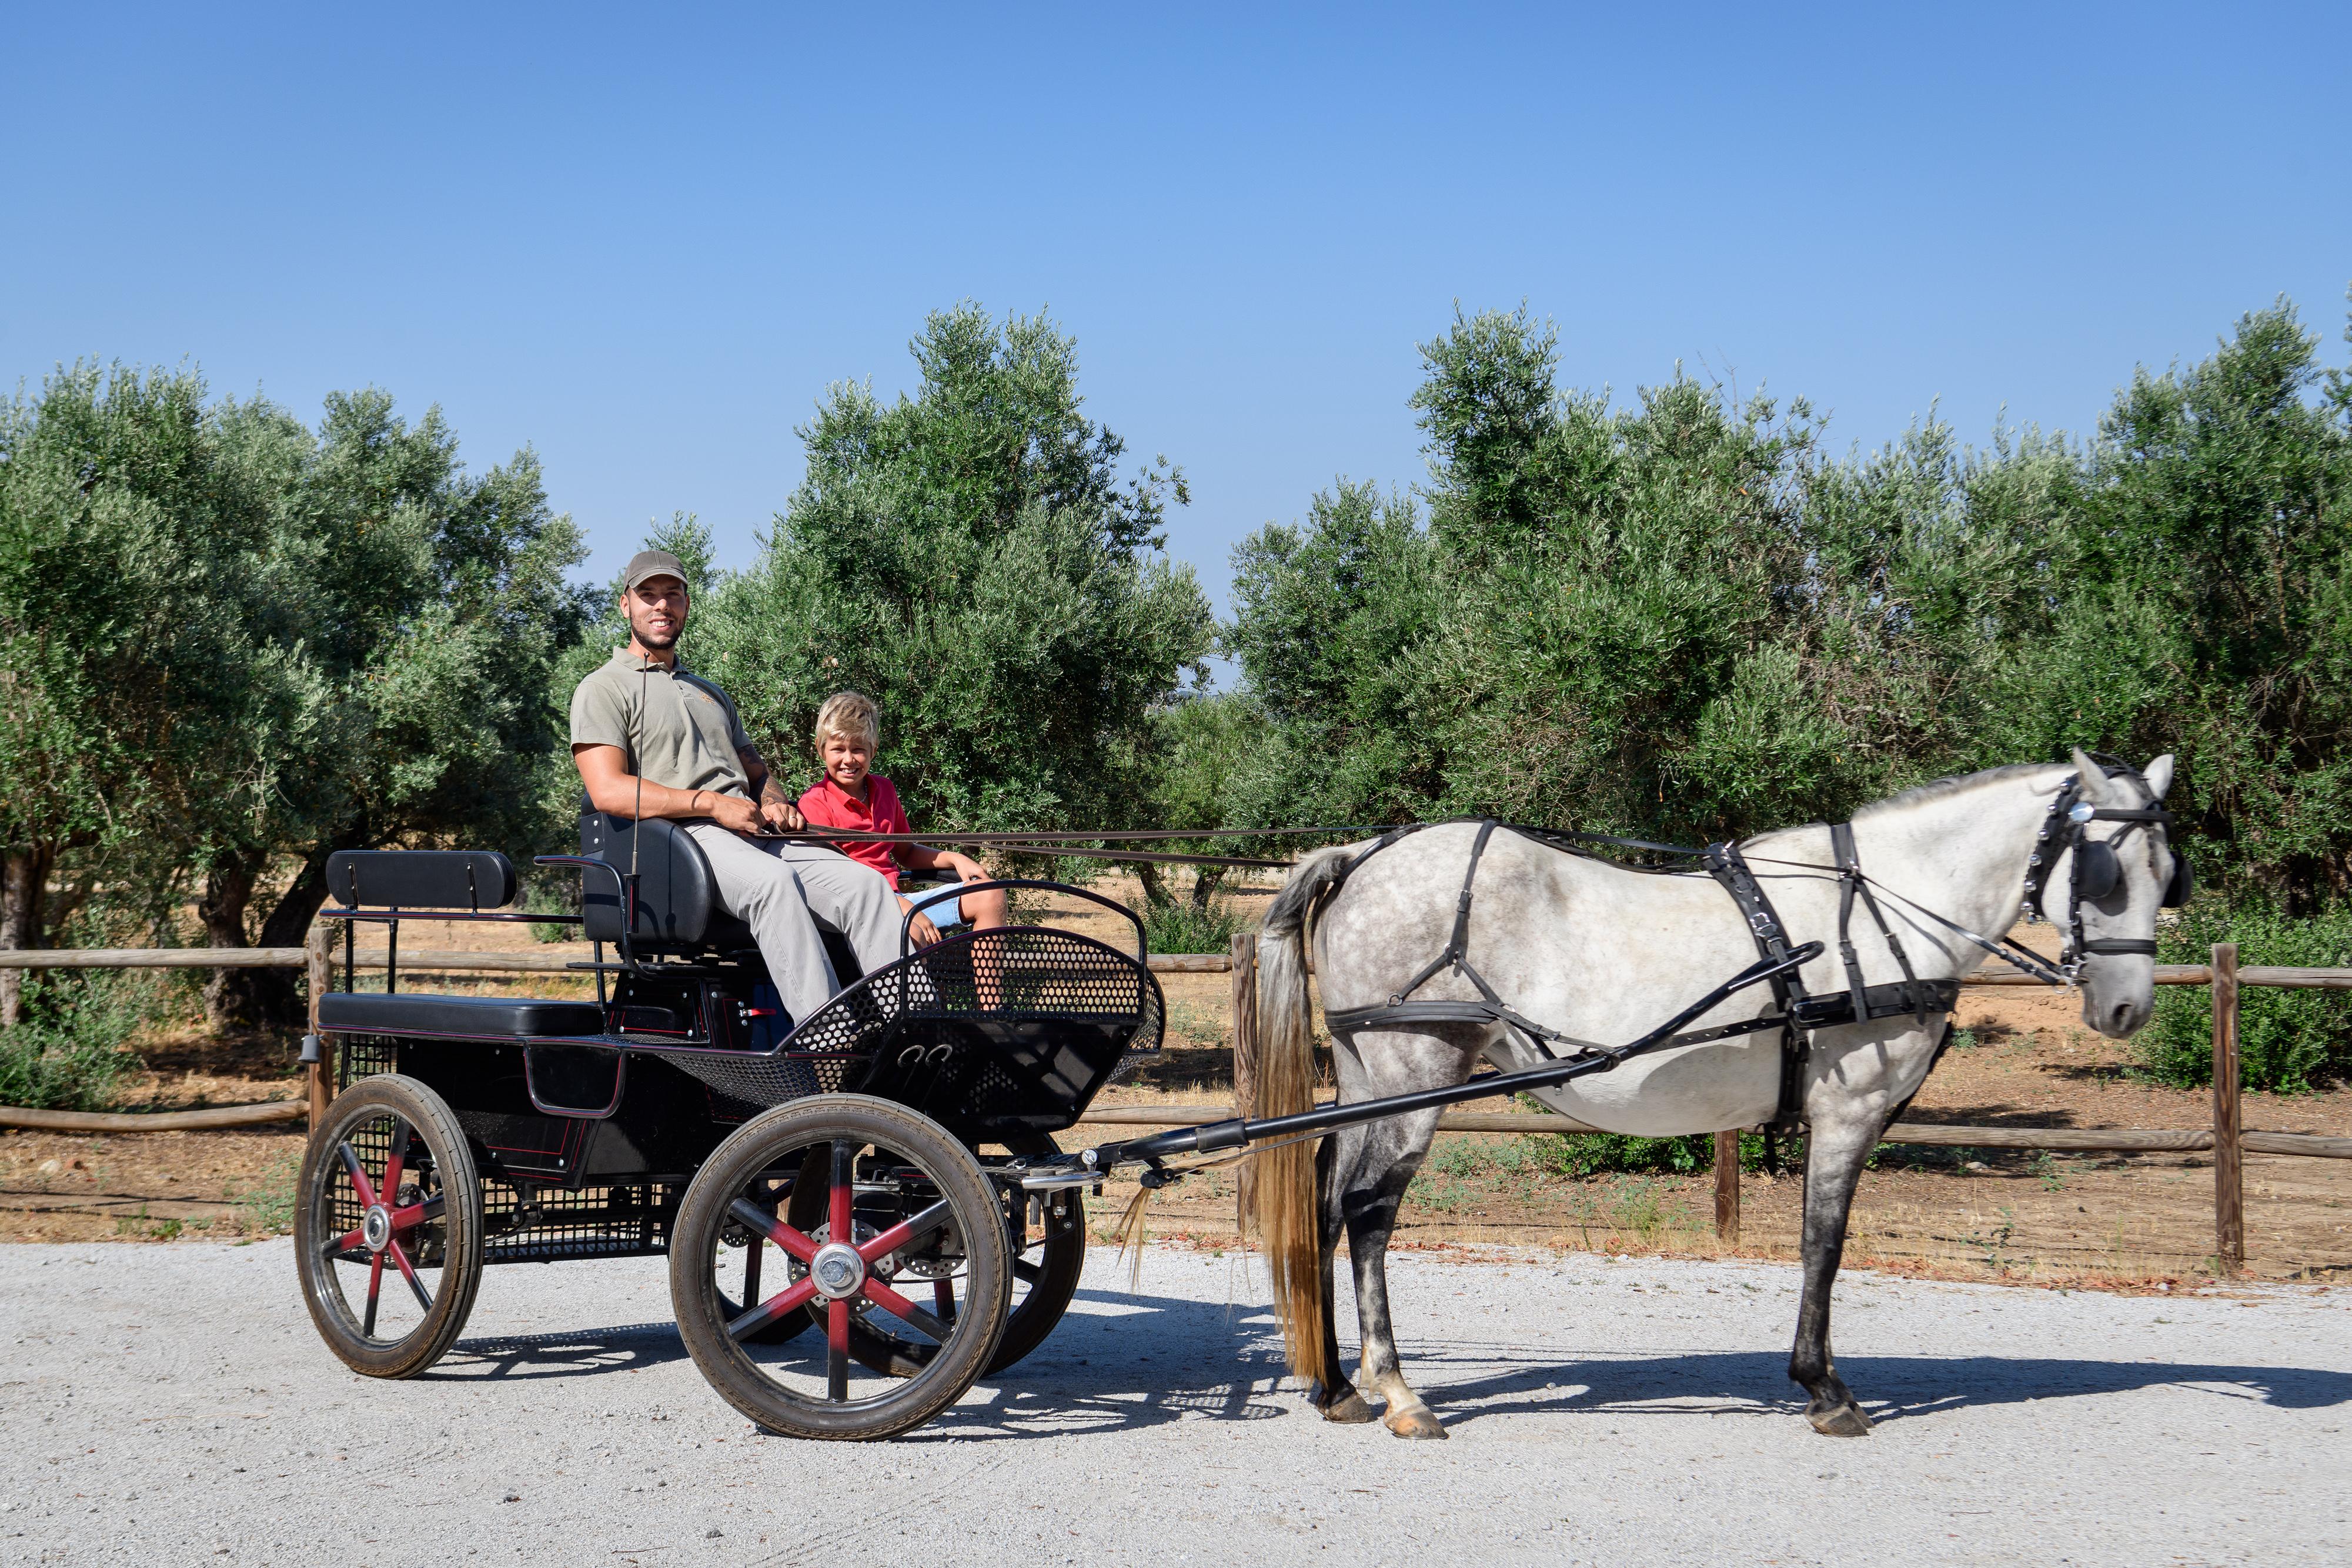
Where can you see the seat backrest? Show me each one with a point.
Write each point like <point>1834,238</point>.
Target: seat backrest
<point>421,879</point>
<point>677,897</point>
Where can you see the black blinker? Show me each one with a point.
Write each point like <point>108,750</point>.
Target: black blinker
<point>2181,884</point>
<point>2097,873</point>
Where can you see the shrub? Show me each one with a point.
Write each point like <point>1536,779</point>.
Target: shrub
<point>68,1053</point>
<point>1182,927</point>
<point>2288,1041</point>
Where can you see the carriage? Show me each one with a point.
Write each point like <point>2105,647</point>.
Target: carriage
<point>851,1203</point>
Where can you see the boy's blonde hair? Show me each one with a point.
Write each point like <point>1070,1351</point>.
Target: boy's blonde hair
<point>851,715</point>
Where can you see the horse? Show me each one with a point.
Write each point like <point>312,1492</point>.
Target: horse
<point>1574,947</point>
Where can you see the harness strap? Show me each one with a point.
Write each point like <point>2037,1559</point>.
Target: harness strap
<point>1729,867</point>
<point>1851,884</point>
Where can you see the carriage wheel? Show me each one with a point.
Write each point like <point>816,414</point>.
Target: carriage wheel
<point>1045,1278</point>
<point>902,1201</point>
<point>388,1226</point>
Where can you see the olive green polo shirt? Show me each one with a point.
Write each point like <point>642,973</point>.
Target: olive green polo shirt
<point>678,729</point>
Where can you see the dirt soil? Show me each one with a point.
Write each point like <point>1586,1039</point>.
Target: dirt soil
<point>2135,1221</point>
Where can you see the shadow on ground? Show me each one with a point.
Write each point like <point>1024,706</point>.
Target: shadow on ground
<point>1157,1359</point>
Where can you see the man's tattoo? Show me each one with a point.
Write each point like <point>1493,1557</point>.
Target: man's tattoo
<point>772,790</point>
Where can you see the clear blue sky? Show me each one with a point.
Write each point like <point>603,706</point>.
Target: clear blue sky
<point>644,240</point>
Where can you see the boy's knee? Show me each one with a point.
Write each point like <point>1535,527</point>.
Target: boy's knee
<point>987,906</point>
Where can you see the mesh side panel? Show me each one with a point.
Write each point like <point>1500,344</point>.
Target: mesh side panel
<point>364,1056</point>
<point>537,1223</point>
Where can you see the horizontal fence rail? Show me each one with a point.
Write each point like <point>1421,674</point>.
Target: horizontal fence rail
<point>2226,1140</point>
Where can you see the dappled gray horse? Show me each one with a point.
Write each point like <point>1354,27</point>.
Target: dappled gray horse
<point>1584,950</point>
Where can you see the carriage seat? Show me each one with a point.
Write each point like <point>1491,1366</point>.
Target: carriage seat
<point>677,896</point>
<point>422,883</point>
<point>456,1017</point>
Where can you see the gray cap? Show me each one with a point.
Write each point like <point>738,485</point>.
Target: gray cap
<point>649,563</point>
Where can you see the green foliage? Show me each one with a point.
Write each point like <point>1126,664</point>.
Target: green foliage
<point>1679,618</point>
<point>972,558</point>
<point>230,645</point>
<point>70,1049</point>
<point>1186,927</point>
<point>2289,1041</point>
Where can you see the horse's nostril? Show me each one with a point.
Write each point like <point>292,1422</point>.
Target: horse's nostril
<point>2121,1017</point>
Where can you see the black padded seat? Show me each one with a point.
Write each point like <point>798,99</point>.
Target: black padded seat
<point>455,1018</point>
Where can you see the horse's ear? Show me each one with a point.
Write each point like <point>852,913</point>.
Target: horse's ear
<point>2160,776</point>
<point>2094,778</point>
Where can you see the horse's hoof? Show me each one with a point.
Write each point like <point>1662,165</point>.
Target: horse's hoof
<point>1844,1421</point>
<point>1349,1411</point>
<point>1416,1424</point>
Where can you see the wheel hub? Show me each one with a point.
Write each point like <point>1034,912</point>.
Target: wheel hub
<point>376,1227</point>
<point>838,1270</point>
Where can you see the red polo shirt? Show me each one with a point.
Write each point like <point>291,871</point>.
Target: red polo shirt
<point>828,805</point>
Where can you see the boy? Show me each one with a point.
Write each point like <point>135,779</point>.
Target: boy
<point>849,734</point>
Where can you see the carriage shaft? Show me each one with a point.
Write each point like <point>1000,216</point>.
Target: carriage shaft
<point>1238,1133</point>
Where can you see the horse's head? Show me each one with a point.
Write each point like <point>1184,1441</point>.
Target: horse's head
<point>2118,869</point>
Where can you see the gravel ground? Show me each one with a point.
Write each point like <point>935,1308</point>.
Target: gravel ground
<point>173,1405</point>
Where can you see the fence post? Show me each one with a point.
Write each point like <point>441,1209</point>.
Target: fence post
<point>319,969</point>
<point>1727,1186</point>
<point>2229,1160</point>
<point>1244,952</point>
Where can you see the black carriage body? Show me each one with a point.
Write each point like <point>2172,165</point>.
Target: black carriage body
<point>588,1118</point>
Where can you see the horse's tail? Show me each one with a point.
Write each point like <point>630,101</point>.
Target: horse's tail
<point>1279,1199</point>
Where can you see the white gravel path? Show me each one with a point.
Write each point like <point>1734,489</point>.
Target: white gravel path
<point>171,1405</point>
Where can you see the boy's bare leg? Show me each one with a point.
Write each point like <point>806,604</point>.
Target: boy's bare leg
<point>981,911</point>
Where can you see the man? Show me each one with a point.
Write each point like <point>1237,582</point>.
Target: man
<point>651,738</point>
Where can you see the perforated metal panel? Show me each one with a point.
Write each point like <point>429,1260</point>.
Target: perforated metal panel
<point>1009,1029</point>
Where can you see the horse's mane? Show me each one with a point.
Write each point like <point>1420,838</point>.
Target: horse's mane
<point>1939,789</point>
<point>1934,789</point>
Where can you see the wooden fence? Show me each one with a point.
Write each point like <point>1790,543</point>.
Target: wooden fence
<point>2226,1137</point>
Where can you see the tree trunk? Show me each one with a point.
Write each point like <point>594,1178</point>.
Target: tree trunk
<point>1205,883</point>
<point>23,888</point>
<point>228,888</point>
<point>276,996</point>
<point>1154,893</point>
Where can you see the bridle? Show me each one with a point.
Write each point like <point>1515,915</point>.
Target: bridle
<point>2093,872</point>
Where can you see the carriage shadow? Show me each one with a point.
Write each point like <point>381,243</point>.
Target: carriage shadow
<point>567,1352</point>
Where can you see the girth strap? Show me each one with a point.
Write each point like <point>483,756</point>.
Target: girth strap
<point>1729,867</point>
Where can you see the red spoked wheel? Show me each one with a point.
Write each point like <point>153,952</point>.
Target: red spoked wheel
<point>900,1197</point>
<point>1045,1271</point>
<point>388,1226</point>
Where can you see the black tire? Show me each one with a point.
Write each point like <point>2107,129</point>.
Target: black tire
<point>1043,1287</point>
<point>419,1281</point>
<point>902,1167</point>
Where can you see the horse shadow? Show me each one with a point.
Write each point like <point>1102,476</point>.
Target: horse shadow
<point>1140,1361</point>
<point>1890,1387</point>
